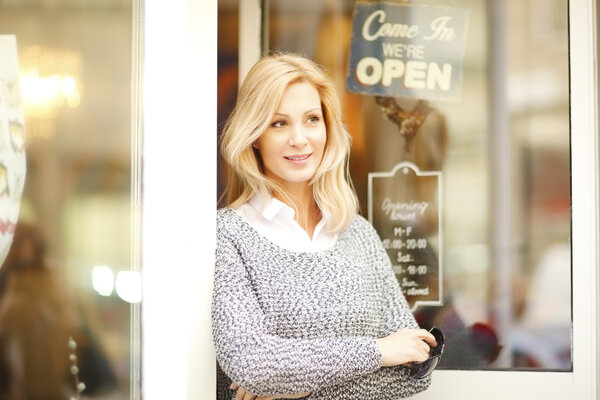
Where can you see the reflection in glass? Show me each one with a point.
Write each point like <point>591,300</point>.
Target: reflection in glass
<point>73,239</point>
<point>503,151</point>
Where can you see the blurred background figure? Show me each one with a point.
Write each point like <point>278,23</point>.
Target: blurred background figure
<point>37,317</point>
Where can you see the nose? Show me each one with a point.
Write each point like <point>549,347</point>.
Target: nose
<point>298,137</point>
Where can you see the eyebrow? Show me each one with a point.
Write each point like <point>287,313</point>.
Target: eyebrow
<point>312,110</point>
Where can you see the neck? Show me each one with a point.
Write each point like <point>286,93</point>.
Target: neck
<point>307,213</point>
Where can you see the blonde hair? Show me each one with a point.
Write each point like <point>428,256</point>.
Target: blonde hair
<point>256,104</point>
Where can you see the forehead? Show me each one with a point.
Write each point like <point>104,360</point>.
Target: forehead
<point>299,96</point>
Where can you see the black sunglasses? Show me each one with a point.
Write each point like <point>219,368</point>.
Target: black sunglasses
<point>422,369</point>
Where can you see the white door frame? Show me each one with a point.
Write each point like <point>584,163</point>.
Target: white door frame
<point>179,200</point>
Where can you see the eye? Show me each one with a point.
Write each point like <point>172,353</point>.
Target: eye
<point>278,124</point>
<point>312,119</point>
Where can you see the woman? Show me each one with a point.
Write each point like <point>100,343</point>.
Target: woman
<point>305,303</point>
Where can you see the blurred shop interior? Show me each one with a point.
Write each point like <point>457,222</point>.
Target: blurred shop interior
<point>69,272</point>
<point>502,149</point>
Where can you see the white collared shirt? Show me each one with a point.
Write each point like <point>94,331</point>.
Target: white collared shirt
<point>275,221</point>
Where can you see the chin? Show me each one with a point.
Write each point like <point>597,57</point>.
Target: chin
<point>290,176</point>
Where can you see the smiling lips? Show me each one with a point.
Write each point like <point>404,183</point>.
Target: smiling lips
<point>299,157</point>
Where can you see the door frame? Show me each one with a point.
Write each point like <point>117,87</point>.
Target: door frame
<point>179,190</point>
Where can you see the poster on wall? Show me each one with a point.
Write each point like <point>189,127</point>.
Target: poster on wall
<point>12,143</point>
<point>405,209</point>
<point>407,50</point>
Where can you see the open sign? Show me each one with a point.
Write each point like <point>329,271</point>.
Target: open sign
<point>407,50</point>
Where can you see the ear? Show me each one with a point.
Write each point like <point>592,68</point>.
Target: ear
<point>255,145</point>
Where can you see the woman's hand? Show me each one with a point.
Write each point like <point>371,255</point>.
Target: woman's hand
<point>243,394</point>
<point>405,346</point>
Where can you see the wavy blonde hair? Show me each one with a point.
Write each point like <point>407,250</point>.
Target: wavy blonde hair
<point>257,102</point>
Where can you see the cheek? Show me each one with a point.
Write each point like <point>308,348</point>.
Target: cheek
<point>322,140</point>
<point>268,146</point>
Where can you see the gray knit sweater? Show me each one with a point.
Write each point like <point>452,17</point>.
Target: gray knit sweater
<point>292,322</point>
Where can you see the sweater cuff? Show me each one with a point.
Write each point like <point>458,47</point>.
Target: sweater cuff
<point>373,358</point>
<point>378,353</point>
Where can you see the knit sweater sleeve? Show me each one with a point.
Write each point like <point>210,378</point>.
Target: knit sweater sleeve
<point>398,315</point>
<point>264,363</point>
<point>397,311</point>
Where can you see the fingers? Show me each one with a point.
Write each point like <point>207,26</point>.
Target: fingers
<point>404,346</point>
<point>418,349</point>
<point>427,337</point>
<point>428,341</point>
<point>243,394</point>
<point>239,395</point>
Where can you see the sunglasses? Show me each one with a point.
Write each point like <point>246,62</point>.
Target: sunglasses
<point>422,369</point>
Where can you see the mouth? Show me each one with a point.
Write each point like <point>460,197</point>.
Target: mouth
<point>299,157</point>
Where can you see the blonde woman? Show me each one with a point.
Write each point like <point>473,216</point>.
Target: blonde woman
<point>305,304</point>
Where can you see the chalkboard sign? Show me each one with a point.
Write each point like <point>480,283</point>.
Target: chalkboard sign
<point>405,209</point>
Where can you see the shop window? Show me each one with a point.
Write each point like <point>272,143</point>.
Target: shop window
<point>69,287</point>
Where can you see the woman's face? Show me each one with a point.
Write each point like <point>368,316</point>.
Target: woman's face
<point>292,147</point>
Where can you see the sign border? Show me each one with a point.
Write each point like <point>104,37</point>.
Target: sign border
<point>397,167</point>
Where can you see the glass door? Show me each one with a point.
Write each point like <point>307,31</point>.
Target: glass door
<point>504,259</point>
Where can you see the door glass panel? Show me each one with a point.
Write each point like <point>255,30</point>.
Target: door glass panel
<point>502,152</point>
<point>69,287</point>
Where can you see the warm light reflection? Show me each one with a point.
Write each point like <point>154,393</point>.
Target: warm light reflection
<point>129,286</point>
<point>49,80</point>
<point>50,91</point>
<point>103,280</point>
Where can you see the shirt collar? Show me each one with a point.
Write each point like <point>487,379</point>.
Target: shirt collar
<point>270,207</point>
